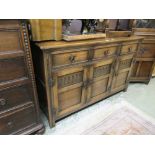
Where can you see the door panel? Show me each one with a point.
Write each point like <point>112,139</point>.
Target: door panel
<point>142,70</point>
<point>145,69</point>
<point>122,72</point>
<point>100,80</point>
<point>68,90</point>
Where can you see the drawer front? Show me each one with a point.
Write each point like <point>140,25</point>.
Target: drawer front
<point>12,97</point>
<point>17,120</point>
<point>147,51</point>
<point>11,69</point>
<point>10,40</point>
<point>130,48</point>
<point>101,52</point>
<point>69,58</point>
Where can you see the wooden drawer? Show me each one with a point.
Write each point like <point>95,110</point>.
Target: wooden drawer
<point>10,40</point>
<point>17,120</point>
<point>146,51</point>
<point>11,69</point>
<point>12,97</point>
<point>62,58</point>
<point>129,48</point>
<point>101,52</point>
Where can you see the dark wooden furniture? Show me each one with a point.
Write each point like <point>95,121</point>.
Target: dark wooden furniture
<point>145,58</point>
<point>19,112</point>
<point>74,75</point>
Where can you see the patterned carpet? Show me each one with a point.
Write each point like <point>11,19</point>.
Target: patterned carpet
<point>124,121</point>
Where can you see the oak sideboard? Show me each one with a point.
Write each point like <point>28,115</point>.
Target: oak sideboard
<point>73,75</point>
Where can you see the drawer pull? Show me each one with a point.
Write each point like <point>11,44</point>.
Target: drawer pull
<point>129,49</point>
<point>10,124</point>
<point>106,52</point>
<point>72,58</point>
<point>2,102</point>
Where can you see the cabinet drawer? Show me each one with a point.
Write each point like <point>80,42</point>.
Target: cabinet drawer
<point>69,58</point>
<point>100,52</point>
<point>17,120</point>
<point>130,48</point>
<point>11,69</point>
<point>147,51</point>
<point>12,97</point>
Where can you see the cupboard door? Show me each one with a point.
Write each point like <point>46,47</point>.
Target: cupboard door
<point>69,90</point>
<point>100,76</point>
<point>142,70</point>
<point>122,72</point>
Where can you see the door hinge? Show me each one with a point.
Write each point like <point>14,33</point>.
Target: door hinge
<point>51,82</point>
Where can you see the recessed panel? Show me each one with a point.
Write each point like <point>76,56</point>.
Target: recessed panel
<point>145,69</point>
<point>9,41</point>
<point>121,79</point>
<point>11,69</point>
<point>69,98</point>
<point>99,87</point>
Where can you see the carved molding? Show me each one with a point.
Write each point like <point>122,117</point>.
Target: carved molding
<point>125,64</point>
<point>102,70</point>
<point>70,79</point>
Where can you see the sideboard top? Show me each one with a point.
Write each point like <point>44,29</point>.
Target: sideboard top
<point>61,44</point>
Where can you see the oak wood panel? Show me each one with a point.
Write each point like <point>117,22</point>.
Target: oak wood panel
<point>69,90</point>
<point>100,77</point>
<point>10,40</point>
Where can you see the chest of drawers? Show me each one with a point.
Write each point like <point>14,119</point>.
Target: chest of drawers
<point>73,75</point>
<point>19,112</point>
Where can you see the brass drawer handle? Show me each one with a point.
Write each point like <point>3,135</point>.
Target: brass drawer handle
<point>72,58</point>
<point>2,102</point>
<point>106,52</point>
<point>129,49</point>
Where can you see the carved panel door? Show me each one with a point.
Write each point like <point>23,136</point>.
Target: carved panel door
<point>100,76</point>
<point>68,92</point>
<point>122,73</point>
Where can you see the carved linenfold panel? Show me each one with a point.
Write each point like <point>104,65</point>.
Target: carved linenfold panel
<point>125,64</point>
<point>70,79</point>
<point>102,70</point>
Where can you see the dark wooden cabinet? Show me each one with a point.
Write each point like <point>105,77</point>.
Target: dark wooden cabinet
<point>72,75</point>
<point>19,111</point>
<point>145,58</point>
